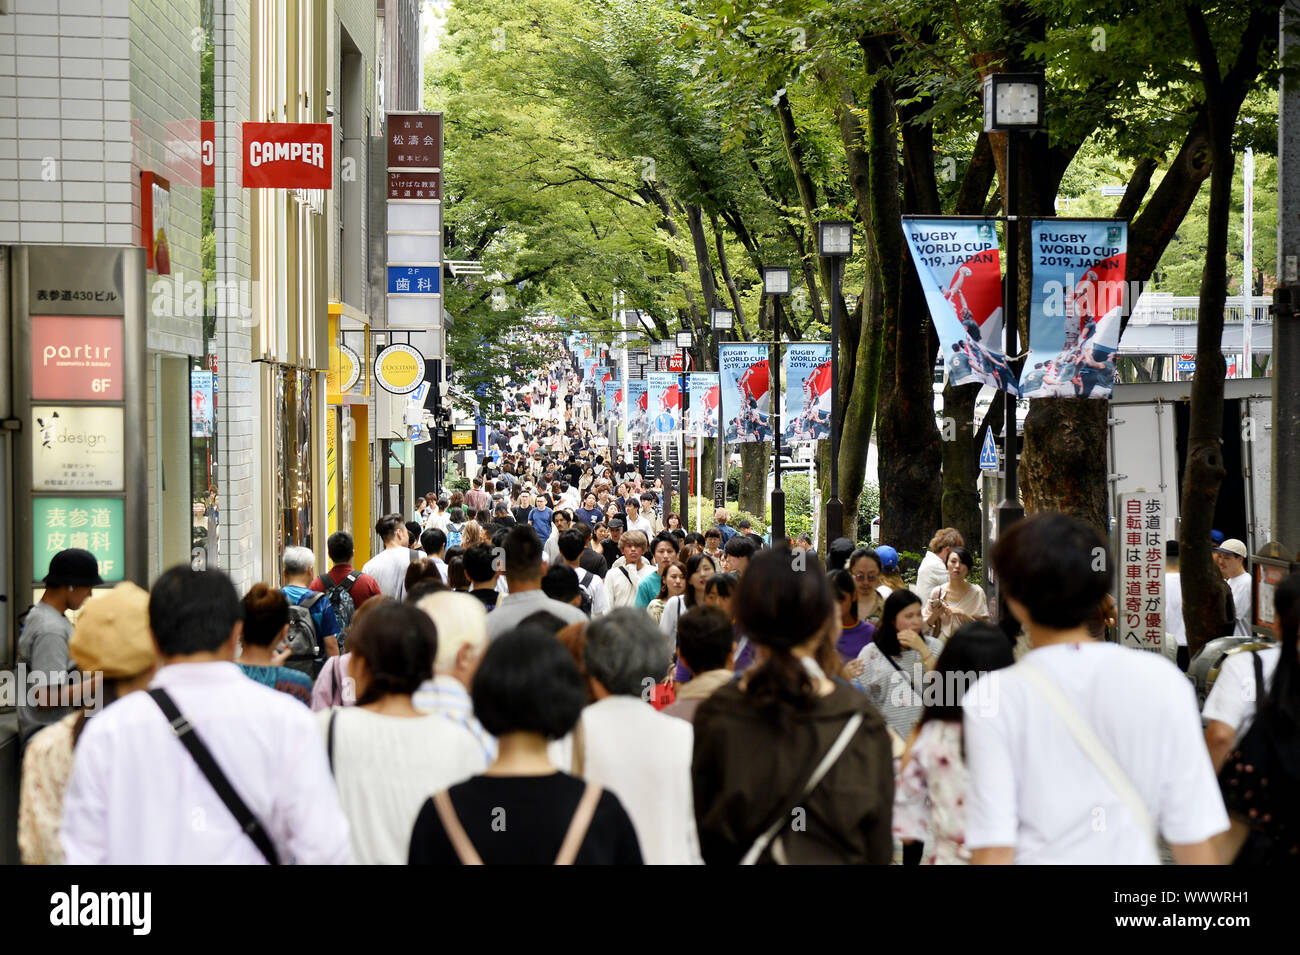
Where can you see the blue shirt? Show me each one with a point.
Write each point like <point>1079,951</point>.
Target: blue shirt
<point>540,518</point>
<point>322,614</point>
<point>294,682</point>
<point>728,532</point>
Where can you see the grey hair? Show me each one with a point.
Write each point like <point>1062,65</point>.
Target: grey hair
<point>624,649</point>
<point>298,560</point>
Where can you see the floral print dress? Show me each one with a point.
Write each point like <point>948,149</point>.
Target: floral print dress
<point>930,795</point>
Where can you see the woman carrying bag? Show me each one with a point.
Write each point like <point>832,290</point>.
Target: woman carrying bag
<point>790,766</point>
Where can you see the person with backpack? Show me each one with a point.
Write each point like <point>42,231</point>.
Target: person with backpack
<point>527,690</point>
<point>313,628</point>
<point>1260,778</point>
<point>345,587</point>
<point>455,526</point>
<point>266,627</point>
<point>572,546</point>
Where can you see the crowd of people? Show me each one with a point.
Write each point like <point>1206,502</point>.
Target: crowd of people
<point>549,668</point>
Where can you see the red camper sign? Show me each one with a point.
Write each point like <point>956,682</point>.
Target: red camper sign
<point>287,156</point>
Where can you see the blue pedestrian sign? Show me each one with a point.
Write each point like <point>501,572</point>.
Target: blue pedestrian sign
<point>989,453</point>
<point>414,280</point>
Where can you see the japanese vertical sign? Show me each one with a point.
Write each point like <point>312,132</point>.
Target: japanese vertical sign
<point>745,388</point>
<point>960,269</point>
<point>1076,308</point>
<point>414,214</point>
<point>663,402</point>
<point>807,392</point>
<point>703,389</point>
<point>1142,571</point>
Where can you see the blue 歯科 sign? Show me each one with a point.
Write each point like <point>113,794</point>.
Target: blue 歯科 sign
<point>989,453</point>
<point>414,280</point>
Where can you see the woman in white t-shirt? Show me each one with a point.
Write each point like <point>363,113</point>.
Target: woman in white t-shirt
<point>387,756</point>
<point>895,662</point>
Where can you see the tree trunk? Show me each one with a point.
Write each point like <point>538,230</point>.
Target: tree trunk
<point>961,455</point>
<point>755,461</point>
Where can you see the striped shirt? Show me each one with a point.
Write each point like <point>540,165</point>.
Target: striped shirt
<point>447,696</point>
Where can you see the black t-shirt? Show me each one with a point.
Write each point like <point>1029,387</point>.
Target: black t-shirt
<point>521,514</point>
<point>522,820</point>
<point>610,550</point>
<point>487,595</point>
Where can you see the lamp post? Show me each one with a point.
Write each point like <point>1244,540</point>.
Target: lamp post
<point>1013,103</point>
<point>835,242</point>
<point>684,342</point>
<point>722,320</point>
<point>776,284</point>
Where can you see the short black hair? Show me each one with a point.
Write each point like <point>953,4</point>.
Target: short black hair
<point>523,553</point>
<point>837,553</point>
<point>479,563</point>
<point>544,620</point>
<point>571,543</point>
<point>712,532</point>
<point>740,546</point>
<point>433,541</point>
<point>704,639</point>
<point>560,583</point>
<point>193,611</point>
<point>413,530</point>
<point>527,682</point>
<point>1056,566</point>
<point>398,644</point>
<point>340,547</point>
<point>386,527</point>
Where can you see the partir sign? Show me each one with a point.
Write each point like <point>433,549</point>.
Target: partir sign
<point>287,156</point>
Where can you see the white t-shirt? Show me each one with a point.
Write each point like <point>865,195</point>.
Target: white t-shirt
<point>1232,698</point>
<point>385,767</point>
<point>1241,594</point>
<point>932,572</point>
<point>388,567</point>
<point>1034,788</point>
<point>1174,608</point>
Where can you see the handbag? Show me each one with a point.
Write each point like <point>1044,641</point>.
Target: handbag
<point>770,835</point>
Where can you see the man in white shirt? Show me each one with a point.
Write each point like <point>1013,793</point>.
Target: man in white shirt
<point>1234,699</point>
<point>625,575</point>
<point>1084,751</point>
<point>1231,557</point>
<point>388,567</point>
<point>434,543</point>
<point>934,565</point>
<point>635,522</point>
<point>136,796</point>
<point>523,574</point>
<point>640,755</point>
<point>438,518</point>
<point>571,545</point>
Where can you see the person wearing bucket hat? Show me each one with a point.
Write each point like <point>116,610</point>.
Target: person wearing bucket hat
<point>890,579</point>
<point>44,639</point>
<point>110,640</point>
<point>1231,556</point>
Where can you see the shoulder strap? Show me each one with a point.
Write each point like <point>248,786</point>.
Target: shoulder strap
<point>349,580</point>
<point>818,774</point>
<point>578,825</point>
<point>1260,692</point>
<point>460,841</point>
<point>189,738</point>
<point>578,761</point>
<point>1091,745</point>
<point>586,580</point>
<point>329,744</point>
<point>309,599</point>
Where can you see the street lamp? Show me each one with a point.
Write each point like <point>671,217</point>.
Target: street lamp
<point>1013,103</point>
<point>722,320</point>
<point>835,242</point>
<point>684,342</point>
<point>776,283</point>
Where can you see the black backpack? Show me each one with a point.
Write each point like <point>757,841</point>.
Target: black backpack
<point>584,584</point>
<point>305,650</point>
<point>340,598</point>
